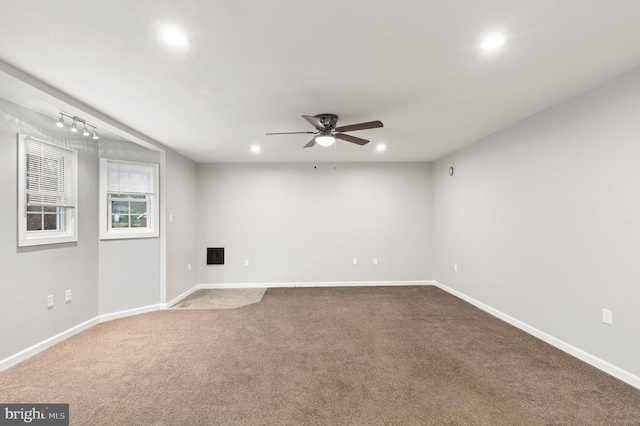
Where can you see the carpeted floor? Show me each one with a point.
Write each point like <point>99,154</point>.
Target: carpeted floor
<point>320,356</point>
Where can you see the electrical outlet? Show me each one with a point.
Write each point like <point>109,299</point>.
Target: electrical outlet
<point>189,267</point>
<point>607,316</point>
<point>355,260</point>
<point>246,262</point>
<point>50,301</point>
<point>455,267</point>
<point>170,218</point>
<point>375,260</point>
<point>67,296</point>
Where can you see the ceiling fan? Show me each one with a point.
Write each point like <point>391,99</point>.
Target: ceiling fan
<point>327,132</point>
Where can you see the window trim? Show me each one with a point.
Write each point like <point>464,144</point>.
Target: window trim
<point>69,214</point>
<point>153,224</point>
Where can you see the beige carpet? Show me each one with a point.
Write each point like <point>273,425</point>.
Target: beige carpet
<point>320,356</point>
<point>221,298</point>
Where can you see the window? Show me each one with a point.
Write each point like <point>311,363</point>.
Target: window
<point>47,193</point>
<point>41,218</point>
<point>128,210</point>
<point>128,199</point>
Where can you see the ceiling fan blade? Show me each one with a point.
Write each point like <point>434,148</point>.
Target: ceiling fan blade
<point>290,133</point>
<point>359,126</point>
<point>350,138</point>
<point>311,143</point>
<point>314,122</point>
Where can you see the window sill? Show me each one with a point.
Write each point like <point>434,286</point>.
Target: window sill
<point>128,234</point>
<point>42,239</point>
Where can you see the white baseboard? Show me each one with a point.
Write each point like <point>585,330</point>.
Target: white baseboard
<point>130,312</point>
<point>182,296</point>
<point>316,284</point>
<point>600,364</point>
<point>45,344</point>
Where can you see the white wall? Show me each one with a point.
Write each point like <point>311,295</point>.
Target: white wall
<point>298,223</point>
<point>130,269</point>
<point>182,230</point>
<point>29,275</point>
<point>543,220</point>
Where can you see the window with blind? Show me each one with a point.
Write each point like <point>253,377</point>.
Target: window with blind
<point>128,199</point>
<point>47,192</point>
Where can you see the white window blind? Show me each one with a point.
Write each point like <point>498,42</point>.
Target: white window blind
<point>51,174</point>
<point>130,178</point>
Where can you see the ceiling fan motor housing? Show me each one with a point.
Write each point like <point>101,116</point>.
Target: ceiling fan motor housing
<point>329,121</point>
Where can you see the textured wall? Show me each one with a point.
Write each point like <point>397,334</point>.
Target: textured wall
<point>30,274</point>
<point>298,223</point>
<point>129,268</point>
<point>543,221</point>
<point>182,233</point>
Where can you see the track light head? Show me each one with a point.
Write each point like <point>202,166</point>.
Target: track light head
<point>75,121</point>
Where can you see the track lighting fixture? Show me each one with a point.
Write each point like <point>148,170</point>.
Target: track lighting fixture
<point>74,125</point>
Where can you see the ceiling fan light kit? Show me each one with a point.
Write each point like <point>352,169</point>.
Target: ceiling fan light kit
<point>325,140</point>
<point>327,132</point>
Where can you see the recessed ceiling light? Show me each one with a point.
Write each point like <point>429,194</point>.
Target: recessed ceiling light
<point>175,37</point>
<point>381,147</point>
<point>493,42</point>
<point>255,148</point>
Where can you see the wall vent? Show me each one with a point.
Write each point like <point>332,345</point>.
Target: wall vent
<point>215,256</point>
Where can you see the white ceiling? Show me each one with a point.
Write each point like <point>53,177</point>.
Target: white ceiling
<point>255,66</point>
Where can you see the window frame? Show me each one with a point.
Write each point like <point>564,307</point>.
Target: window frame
<point>68,218</point>
<point>107,232</point>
